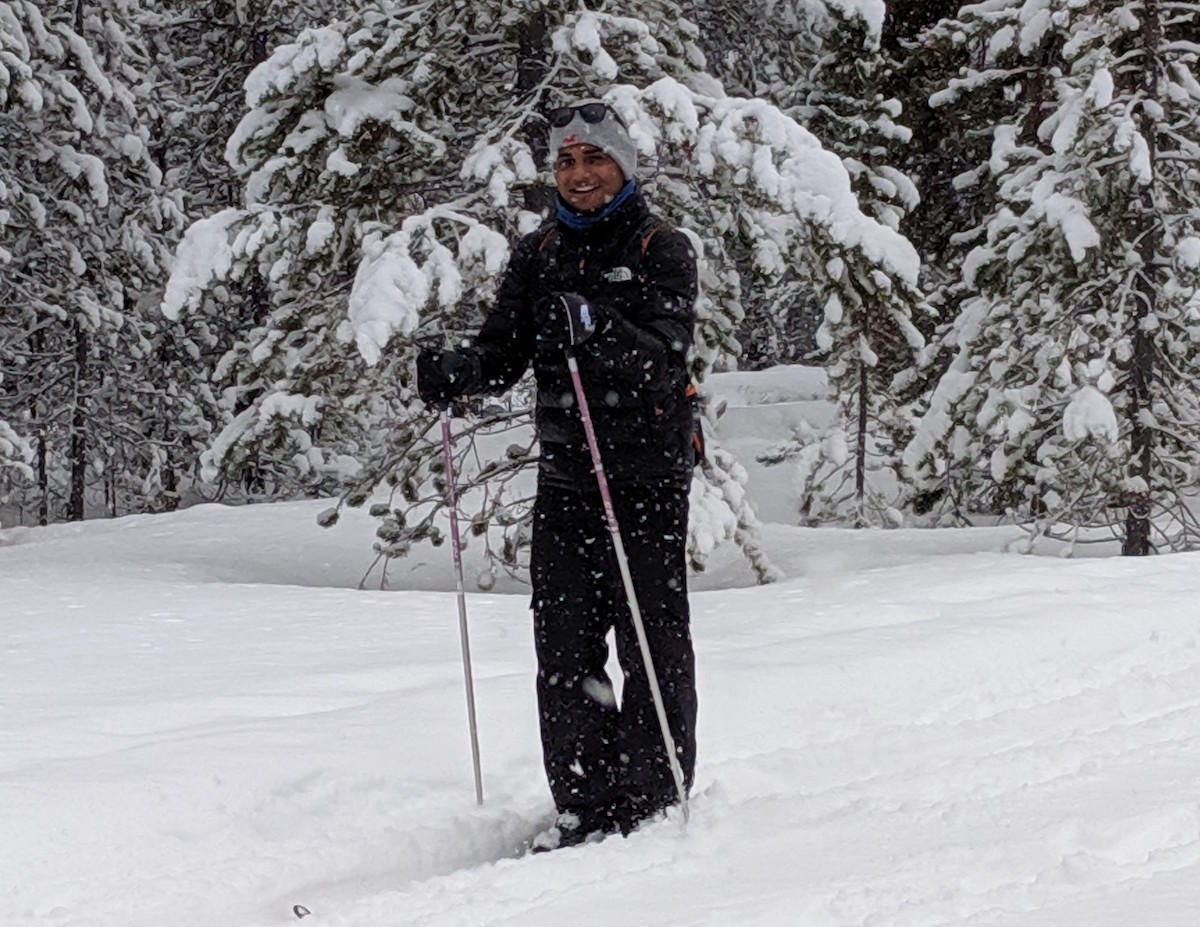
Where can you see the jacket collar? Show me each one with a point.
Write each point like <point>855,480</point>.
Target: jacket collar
<point>626,215</point>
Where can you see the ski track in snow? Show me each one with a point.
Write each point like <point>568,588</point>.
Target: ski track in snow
<point>947,739</point>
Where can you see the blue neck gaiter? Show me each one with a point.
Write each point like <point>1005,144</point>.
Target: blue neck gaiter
<point>581,222</point>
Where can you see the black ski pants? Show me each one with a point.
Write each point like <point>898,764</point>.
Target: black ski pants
<point>607,763</point>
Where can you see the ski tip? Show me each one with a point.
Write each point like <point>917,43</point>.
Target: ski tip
<point>300,911</point>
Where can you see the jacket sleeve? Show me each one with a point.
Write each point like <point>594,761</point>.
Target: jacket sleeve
<point>505,343</point>
<point>645,335</point>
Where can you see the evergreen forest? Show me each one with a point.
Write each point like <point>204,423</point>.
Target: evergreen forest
<point>228,226</point>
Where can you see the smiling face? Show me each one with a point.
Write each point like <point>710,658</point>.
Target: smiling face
<point>586,177</point>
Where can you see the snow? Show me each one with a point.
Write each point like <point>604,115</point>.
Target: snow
<point>1065,122</point>
<point>1141,162</point>
<point>354,101</point>
<point>1069,214</point>
<point>1188,252</point>
<point>498,166</point>
<point>750,143</point>
<point>1090,414</point>
<point>1100,90</point>
<point>315,48</point>
<point>872,13</point>
<point>1036,21</point>
<point>339,163</point>
<point>389,291</point>
<point>321,232</point>
<point>586,37</point>
<point>82,54</point>
<point>391,287</point>
<point>14,450</point>
<point>204,254</point>
<point>79,164</point>
<point>205,722</point>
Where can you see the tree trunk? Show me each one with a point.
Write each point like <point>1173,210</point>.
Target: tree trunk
<point>1141,379</point>
<point>532,67</point>
<point>75,502</point>
<point>860,458</point>
<point>40,448</point>
<point>42,481</point>
<point>170,486</point>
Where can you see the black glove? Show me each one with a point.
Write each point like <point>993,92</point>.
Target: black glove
<point>444,376</point>
<point>567,320</point>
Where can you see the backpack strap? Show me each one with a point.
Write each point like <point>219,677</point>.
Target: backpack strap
<point>693,400</point>
<point>653,227</point>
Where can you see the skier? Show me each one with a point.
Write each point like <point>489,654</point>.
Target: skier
<point>614,284</point>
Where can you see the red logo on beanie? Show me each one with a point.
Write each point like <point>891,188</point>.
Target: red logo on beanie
<point>570,140</point>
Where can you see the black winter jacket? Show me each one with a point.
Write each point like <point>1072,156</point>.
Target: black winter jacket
<point>633,368</point>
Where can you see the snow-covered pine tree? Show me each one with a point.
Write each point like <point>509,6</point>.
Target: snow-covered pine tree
<point>867,339</point>
<point>15,450</point>
<point>15,454</point>
<point>1073,396</point>
<point>847,110</point>
<point>202,54</point>
<point>388,161</point>
<point>764,50</point>
<point>205,50</point>
<point>760,48</point>
<point>775,194</point>
<point>85,228</point>
<point>366,234</point>
<point>946,142</point>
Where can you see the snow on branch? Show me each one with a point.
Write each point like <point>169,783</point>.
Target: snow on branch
<point>499,166</point>
<point>204,256</point>
<point>15,451</point>
<point>286,416</point>
<point>1090,414</point>
<point>592,38</point>
<point>87,61</point>
<point>79,165</point>
<point>792,186</point>
<point>1067,214</point>
<point>402,272</point>
<point>315,48</point>
<point>354,101</point>
<point>871,12</point>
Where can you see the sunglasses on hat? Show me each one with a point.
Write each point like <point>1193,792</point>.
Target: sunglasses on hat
<point>591,113</point>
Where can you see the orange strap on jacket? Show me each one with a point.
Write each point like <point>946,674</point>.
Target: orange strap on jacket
<point>697,441</point>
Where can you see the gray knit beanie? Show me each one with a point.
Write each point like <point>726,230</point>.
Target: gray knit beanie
<point>609,135</point>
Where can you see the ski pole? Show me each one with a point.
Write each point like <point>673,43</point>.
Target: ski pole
<point>452,505</point>
<point>639,628</point>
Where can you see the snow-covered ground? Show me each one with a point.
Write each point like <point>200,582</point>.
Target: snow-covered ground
<point>204,722</point>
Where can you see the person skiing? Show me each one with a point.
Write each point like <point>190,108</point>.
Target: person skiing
<point>612,283</point>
